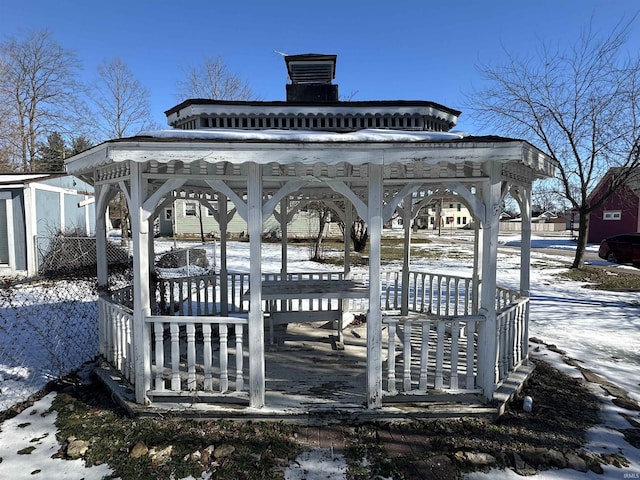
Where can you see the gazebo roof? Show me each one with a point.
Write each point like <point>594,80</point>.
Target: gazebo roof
<point>312,148</point>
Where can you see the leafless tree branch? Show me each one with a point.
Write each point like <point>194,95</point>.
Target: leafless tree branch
<point>579,104</point>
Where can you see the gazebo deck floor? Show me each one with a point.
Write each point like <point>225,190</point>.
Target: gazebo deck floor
<point>309,381</point>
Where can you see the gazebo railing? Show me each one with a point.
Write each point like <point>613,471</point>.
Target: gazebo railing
<point>115,335</point>
<point>513,336</point>
<point>432,348</point>
<point>194,355</point>
<point>201,295</point>
<point>427,352</point>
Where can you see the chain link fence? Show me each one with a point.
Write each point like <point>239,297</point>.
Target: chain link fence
<point>48,328</point>
<point>49,324</point>
<point>65,253</point>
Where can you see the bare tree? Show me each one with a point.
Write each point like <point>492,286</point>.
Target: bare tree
<point>122,103</point>
<point>213,80</point>
<point>323,214</point>
<point>123,108</point>
<point>39,89</point>
<point>581,105</point>
<point>546,198</point>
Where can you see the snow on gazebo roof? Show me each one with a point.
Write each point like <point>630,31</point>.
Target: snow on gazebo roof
<point>375,146</point>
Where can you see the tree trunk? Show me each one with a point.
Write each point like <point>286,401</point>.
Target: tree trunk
<point>124,228</point>
<point>583,232</point>
<point>359,235</point>
<point>201,225</point>
<point>322,221</point>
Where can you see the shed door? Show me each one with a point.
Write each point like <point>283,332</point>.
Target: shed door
<point>4,239</point>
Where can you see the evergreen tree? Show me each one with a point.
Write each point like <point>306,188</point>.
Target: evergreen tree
<point>80,144</point>
<point>51,155</point>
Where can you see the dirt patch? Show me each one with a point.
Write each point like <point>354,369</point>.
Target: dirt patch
<point>552,435</point>
<point>603,278</point>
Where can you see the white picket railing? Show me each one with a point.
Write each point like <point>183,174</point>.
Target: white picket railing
<point>192,354</point>
<point>115,336</point>
<point>432,348</point>
<point>512,337</point>
<point>428,353</point>
<point>201,295</point>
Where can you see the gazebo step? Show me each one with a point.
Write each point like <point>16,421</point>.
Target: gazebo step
<point>167,396</point>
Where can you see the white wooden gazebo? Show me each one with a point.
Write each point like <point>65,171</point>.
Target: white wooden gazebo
<point>370,159</point>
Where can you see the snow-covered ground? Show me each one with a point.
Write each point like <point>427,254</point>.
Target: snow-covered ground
<point>599,329</point>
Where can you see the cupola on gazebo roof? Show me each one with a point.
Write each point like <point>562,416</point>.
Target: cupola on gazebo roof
<point>311,68</point>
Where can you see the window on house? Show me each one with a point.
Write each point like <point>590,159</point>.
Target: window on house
<point>459,207</point>
<point>190,209</point>
<point>612,215</point>
<point>458,220</point>
<point>451,205</point>
<point>464,220</point>
<point>168,214</point>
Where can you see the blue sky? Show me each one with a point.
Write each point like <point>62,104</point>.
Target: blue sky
<point>405,49</point>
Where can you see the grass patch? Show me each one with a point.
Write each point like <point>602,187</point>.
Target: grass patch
<point>617,280</point>
<point>26,451</point>
<point>391,250</point>
<point>171,447</point>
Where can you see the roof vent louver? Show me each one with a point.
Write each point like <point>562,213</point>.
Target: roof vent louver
<point>311,75</point>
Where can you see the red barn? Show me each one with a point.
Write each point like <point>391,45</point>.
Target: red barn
<point>620,213</point>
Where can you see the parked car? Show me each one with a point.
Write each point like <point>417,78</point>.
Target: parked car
<point>621,249</point>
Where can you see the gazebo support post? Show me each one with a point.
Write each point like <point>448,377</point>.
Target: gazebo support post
<point>348,222</point>
<point>487,331</point>
<point>284,240</point>
<point>256,322</point>
<point>406,254</point>
<point>151,248</point>
<point>523,197</point>
<point>141,308</point>
<point>478,238</point>
<point>374,317</point>
<point>223,222</point>
<point>101,236</point>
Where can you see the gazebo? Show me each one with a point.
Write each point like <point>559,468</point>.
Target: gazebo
<point>427,335</point>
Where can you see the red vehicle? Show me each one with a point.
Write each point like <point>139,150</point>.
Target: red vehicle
<point>621,249</point>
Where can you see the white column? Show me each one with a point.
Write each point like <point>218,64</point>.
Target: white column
<point>477,264</point>
<point>348,222</point>
<point>101,235</point>
<point>525,240</point>
<point>141,304</point>
<point>406,254</point>
<point>524,198</point>
<point>151,254</point>
<point>487,330</point>
<point>256,316</point>
<point>374,317</point>
<point>223,222</point>
<point>284,241</point>
<point>87,217</point>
